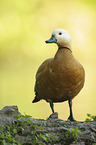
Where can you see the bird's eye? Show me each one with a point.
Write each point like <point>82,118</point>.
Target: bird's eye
<point>60,33</point>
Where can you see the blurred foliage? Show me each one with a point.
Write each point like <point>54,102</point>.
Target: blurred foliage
<point>18,127</point>
<point>90,118</point>
<point>73,134</point>
<point>24,26</point>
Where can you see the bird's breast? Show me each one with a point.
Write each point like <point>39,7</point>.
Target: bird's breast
<point>60,80</point>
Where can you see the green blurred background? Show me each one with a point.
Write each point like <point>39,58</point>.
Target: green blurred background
<point>24,26</point>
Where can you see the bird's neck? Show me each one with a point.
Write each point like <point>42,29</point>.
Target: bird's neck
<point>64,48</point>
<point>63,52</point>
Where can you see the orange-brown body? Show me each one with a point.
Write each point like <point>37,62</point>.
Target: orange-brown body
<point>60,78</point>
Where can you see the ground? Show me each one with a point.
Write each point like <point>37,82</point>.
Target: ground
<point>18,129</point>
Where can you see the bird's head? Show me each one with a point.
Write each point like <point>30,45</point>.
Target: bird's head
<point>61,38</point>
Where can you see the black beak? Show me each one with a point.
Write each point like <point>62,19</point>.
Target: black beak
<point>51,40</point>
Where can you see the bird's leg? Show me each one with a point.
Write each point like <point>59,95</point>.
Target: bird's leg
<point>71,118</point>
<point>52,106</point>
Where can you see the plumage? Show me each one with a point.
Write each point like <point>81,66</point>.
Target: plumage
<point>62,77</point>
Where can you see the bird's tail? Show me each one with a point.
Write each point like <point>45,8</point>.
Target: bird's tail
<point>36,99</point>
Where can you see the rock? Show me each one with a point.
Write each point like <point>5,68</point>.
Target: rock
<point>51,131</point>
<point>7,115</point>
<point>9,111</point>
<point>53,116</point>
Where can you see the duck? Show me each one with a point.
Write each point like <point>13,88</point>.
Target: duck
<point>62,77</point>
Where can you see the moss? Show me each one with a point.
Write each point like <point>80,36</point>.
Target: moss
<point>90,118</point>
<point>72,134</point>
<point>24,130</point>
<point>7,139</point>
<point>20,127</point>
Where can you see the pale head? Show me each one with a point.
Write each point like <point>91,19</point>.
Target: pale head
<point>61,38</point>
